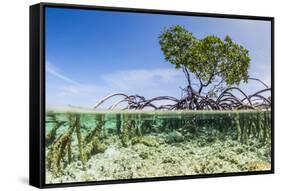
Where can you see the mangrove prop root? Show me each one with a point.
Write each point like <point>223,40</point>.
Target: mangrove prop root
<point>227,100</point>
<point>58,149</point>
<point>51,136</point>
<point>118,124</point>
<point>69,153</point>
<point>253,125</point>
<point>131,128</point>
<point>125,134</point>
<point>138,131</point>
<point>237,125</point>
<point>244,126</point>
<point>80,141</point>
<point>92,142</point>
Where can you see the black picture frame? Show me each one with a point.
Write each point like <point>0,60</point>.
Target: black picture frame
<point>37,93</point>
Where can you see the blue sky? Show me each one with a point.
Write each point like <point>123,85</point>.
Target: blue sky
<point>91,54</point>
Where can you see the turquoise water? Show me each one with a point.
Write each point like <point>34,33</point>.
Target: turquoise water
<point>106,145</point>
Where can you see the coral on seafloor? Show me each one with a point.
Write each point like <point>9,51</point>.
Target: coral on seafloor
<point>150,141</point>
<point>256,166</point>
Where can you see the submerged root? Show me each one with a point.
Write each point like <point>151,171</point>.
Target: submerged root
<point>80,142</point>
<point>60,152</point>
<point>126,128</point>
<point>51,136</point>
<point>94,147</point>
<point>132,128</point>
<point>237,125</point>
<point>69,153</point>
<point>92,142</point>
<point>59,149</point>
<point>253,125</point>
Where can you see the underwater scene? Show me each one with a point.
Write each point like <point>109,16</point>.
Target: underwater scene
<point>109,145</point>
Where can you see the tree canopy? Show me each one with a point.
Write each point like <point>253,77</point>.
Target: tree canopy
<point>212,65</point>
<point>215,62</point>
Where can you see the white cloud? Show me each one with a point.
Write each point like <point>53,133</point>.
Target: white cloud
<point>51,69</point>
<point>148,83</point>
<point>144,80</point>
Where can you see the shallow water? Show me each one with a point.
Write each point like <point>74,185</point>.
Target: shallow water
<point>97,145</point>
